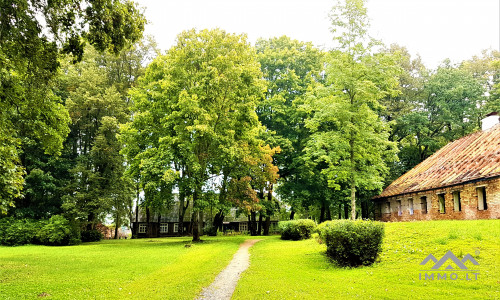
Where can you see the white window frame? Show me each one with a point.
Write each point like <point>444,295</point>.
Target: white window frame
<point>243,227</point>
<point>163,227</point>
<point>176,227</point>
<point>142,228</point>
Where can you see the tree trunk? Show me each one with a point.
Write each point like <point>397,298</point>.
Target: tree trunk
<point>328,213</point>
<point>117,224</point>
<point>218,220</point>
<point>322,213</point>
<point>196,215</point>
<point>180,229</point>
<point>353,200</point>
<point>340,211</point>
<point>292,214</point>
<point>259,225</point>
<point>135,228</point>
<point>90,220</point>
<point>148,227</point>
<point>267,224</point>
<point>346,211</point>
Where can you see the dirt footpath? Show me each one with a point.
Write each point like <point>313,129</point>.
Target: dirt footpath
<point>225,283</point>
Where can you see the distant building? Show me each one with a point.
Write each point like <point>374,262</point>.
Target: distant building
<point>460,181</point>
<point>167,223</point>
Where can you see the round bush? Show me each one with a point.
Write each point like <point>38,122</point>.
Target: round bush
<point>296,229</point>
<point>352,243</point>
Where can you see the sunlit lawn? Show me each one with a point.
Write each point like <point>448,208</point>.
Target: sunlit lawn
<point>300,270</point>
<point>166,269</point>
<point>140,269</point>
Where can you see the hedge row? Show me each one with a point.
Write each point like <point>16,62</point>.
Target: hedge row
<point>57,231</point>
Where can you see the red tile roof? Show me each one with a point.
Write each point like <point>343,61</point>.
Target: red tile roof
<point>473,157</point>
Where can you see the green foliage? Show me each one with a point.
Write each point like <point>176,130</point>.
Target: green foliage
<point>93,235</point>
<point>33,34</point>
<point>296,229</point>
<point>291,68</point>
<point>193,111</point>
<point>352,243</point>
<point>349,142</point>
<point>14,232</point>
<point>58,232</point>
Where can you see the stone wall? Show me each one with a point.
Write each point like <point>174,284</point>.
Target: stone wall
<point>470,209</point>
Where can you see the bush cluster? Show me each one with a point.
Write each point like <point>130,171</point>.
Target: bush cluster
<point>352,243</point>
<point>296,229</point>
<point>55,231</point>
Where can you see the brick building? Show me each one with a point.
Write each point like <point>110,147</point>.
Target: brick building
<point>460,181</point>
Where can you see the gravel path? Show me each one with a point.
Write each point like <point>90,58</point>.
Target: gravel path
<point>225,283</point>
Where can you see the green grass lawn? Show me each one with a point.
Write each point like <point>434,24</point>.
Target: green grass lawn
<point>288,269</point>
<point>115,269</point>
<point>166,269</point>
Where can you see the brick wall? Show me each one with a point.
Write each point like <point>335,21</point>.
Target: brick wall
<point>468,201</point>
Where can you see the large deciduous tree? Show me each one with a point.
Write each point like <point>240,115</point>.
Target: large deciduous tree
<point>348,136</point>
<point>290,68</point>
<point>33,34</point>
<point>192,109</point>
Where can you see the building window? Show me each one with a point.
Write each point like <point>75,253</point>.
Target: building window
<point>423,204</point>
<point>163,227</point>
<point>457,206</point>
<point>142,228</point>
<point>442,207</point>
<point>400,211</point>
<point>243,227</point>
<point>410,206</point>
<point>388,207</point>
<point>481,198</point>
<point>176,227</point>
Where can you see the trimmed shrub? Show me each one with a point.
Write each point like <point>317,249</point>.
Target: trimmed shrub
<point>352,243</point>
<point>58,232</point>
<point>296,229</point>
<point>93,235</point>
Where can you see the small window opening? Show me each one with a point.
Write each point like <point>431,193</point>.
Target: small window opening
<point>400,211</point>
<point>457,205</point>
<point>410,206</point>
<point>423,204</point>
<point>388,207</point>
<point>481,198</point>
<point>442,207</point>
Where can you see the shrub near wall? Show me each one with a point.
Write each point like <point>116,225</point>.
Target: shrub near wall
<point>352,243</point>
<point>296,229</point>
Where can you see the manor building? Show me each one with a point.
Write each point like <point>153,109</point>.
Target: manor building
<point>459,181</point>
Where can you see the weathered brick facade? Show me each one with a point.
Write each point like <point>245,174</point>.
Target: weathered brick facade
<point>469,207</point>
<point>459,181</point>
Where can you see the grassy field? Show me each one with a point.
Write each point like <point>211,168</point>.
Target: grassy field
<point>287,269</point>
<point>137,269</point>
<point>166,269</point>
